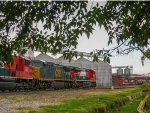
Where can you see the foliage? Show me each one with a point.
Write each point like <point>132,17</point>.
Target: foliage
<point>145,56</point>
<point>52,26</point>
<point>145,86</point>
<point>46,26</point>
<point>128,23</point>
<point>130,106</point>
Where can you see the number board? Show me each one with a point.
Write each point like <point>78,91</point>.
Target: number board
<point>58,72</point>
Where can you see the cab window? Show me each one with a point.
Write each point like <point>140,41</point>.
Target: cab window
<point>21,61</point>
<point>27,62</point>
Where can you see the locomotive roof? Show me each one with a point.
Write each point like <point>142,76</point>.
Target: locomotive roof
<point>65,67</point>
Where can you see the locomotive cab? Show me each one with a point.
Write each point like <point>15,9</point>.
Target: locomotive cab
<point>21,63</point>
<point>21,67</point>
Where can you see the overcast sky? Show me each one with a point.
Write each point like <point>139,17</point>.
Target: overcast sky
<point>99,40</point>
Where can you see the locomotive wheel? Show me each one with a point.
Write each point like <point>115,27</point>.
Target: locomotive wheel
<point>11,90</point>
<point>23,86</point>
<point>33,84</point>
<point>15,89</point>
<point>38,85</point>
<point>3,90</point>
<point>18,87</point>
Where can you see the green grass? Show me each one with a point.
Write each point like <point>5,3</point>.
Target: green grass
<point>131,106</point>
<point>147,106</point>
<point>85,105</point>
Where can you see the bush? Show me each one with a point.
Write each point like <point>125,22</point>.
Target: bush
<point>145,87</point>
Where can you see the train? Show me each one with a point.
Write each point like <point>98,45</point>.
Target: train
<point>27,74</point>
<point>132,79</point>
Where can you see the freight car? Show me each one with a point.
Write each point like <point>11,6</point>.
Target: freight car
<point>25,74</point>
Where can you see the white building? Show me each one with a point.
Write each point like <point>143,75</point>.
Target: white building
<point>44,57</point>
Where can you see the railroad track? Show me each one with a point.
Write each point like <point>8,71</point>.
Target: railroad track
<point>42,90</point>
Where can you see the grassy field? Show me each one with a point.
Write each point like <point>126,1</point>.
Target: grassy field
<point>131,106</point>
<point>68,100</point>
<point>84,104</point>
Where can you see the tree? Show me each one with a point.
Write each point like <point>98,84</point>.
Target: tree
<point>129,24</point>
<point>145,56</point>
<point>48,26</point>
<point>54,26</point>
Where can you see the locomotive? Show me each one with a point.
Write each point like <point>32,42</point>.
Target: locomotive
<point>26,74</point>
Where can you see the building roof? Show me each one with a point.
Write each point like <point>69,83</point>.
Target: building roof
<point>61,59</point>
<point>83,60</point>
<point>44,57</point>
